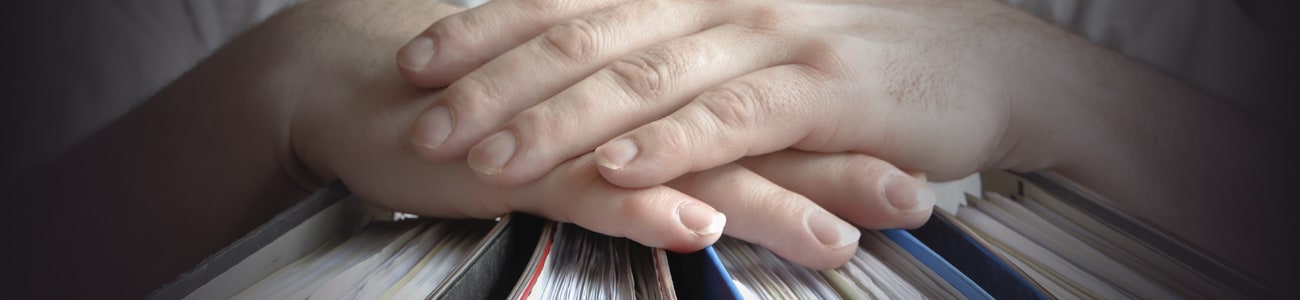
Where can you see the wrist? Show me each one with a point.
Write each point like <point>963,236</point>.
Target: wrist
<point>333,54</point>
<point>1060,88</point>
<point>280,56</point>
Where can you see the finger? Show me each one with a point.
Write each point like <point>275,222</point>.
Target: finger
<point>762,112</point>
<point>658,216</point>
<point>764,213</point>
<point>480,102</point>
<point>861,189</point>
<point>573,192</point>
<point>455,45</point>
<point>634,90</point>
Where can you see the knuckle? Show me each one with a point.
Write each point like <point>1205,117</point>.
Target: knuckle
<point>864,171</point>
<point>573,41</point>
<point>539,124</point>
<point>670,140</point>
<point>544,7</point>
<point>580,99</point>
<point>768,18</point>
<point>732,106</point>
<point>650,74</point>
<point>459,29</point>
<point>781,204</point>
<point>825,56</point>
<point>472,95</point>
<point>643,75</point>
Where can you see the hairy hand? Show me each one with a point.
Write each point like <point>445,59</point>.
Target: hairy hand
<point>665,88</point>
<point>352,123</point>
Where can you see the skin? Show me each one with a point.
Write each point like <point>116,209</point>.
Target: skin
<point>310,97</point>
<point>948,88</point>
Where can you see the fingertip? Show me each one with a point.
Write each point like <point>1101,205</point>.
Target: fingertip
<point>626,164</point>
<point>663,150</point>
<point>910,196</point>
<point>426,61</point>
<point>832,232</point>
<point>672,220</point>
<point>701,219</point>
<point>617,154</point>
<point>416,54</point>
<point>838,242</point>
<point>828,243</point>
<point>691,246</point>
<point>430,131</point>
<point>652,219</point>
<point>627,179</point>
<point>693,225</point>
<point>506,159</point>
<point>613,159</point>
<point>659,217</point>
<point>433,127</point>
<point>417,62</point>
<point>903,192</point>
<point>917,218</point>
<point>823,250</point>
<point>862,189</point>
<point>700,229</point>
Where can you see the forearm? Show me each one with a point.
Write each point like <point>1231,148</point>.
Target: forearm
<point>195,167</point>
<point>1160,149</point>
<point>184,174</point>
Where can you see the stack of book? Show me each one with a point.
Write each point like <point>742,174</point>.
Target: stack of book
<point>1022,236</point>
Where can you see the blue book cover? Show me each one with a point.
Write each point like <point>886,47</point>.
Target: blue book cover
<point>701,275</point>
<point>967,256</point>
<point>938,264</point>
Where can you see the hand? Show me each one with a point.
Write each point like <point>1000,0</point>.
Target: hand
<point>917,83</point>
<point>944,87</point>
<point>763,196</point>
<point>311,94</point>
<point>349,125</point>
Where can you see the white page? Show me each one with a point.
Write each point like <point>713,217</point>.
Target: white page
<point>442,260</point>
<point>342,286</point>
<point>1185,277</point>
<point>404,261</point>
<point>314,269</point>
<point>915,274</point>
<point>1036,255</point>
<point>1077,252</point>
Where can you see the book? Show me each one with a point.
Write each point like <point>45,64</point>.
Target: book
<point>1036,236</point>
<point>1019,237</point>
<point>355,254</point>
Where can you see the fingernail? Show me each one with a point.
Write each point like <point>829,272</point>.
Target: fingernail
<point>701,219</point>
<point>906,193</point>
<point>616,154</point>
<point>832,231</point>
<point>436,125</point>
<point>416,54</point>
<point>491,155</point>
<point>920,176</point>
